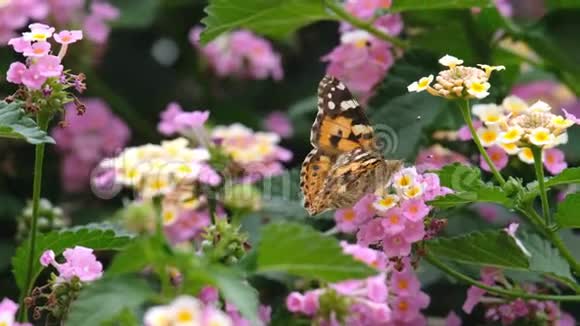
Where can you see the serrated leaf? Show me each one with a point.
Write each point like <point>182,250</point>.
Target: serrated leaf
<point>275,18</point>
<point>545,258</point>
<point>299,250</point>
<point>488,248</point>
<point>568,212</point>
<point>407,5</point>
<point>459,177</point>
<point>104,299</point>
<point>570,175</point>
<point>58,242</point>
<point>14,123</point>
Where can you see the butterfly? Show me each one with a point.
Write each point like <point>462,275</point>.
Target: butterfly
<point>345,163</point>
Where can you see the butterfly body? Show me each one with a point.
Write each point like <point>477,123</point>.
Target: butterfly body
<point>345,163</point>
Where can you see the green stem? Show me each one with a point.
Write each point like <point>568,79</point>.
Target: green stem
<point>512,294</point>
<point>537,151</point>
<point>43,118</point>
<point>554,237</point>
<point>464,107</point>
<point>341,13</point>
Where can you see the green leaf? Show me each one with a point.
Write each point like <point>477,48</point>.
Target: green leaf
<point>137,255</point>
<point>14,123</point>
<point>406,5</point>
<point>481,194</point>
<point>545,258</point>
<point>459,177</point>
<point>106,298</point>
<point>299,250</point>
<point>568,213</point>
<point>235,289</point>
<point>136,14</point>
<point>488,248</point>
<point>570,175</point>
<point>562,4</point>
<point>58,242</point>
<point>275,18</point>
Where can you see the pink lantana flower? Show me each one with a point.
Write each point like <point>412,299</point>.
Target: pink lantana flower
<point>497,155</point>
<point>554,160</point>
<point>79,262</point>
<point>360,61</point>
<point>68,37</point>
<point>415,209</point>
<point>396,246</point>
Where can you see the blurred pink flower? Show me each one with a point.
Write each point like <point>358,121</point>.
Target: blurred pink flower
<point>86,140</point>
<point>96,24</point>
<point>497,155</point>
<point>554,160</point>
<point>463,133</point>
<point>436,157</point>
<point>240,54</point>
<point>555,94</point>
<point>14,15</point>
<point>366,9</point>
<point>452,319</point>
<point>360,61</point>
<point>15,72</point>
<point>80,262</point>
<point>38,49</point>
<point>49,66</point>
<point>279,123</point>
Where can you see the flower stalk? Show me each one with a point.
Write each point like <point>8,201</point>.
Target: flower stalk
<point>512,294</point>
<point>43,118</point>
<point>465,111</point>
<point>537,152</point>
<point>339,11</point>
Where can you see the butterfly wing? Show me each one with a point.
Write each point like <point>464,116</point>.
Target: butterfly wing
<point>352,176</point>
<point>313,176</point>
<point>341,124</point>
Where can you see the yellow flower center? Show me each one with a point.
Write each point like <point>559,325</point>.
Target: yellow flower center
<point>489,136</point>
<point>527,153</point>
<point>423,82</point>
<point>405,181</point>
<point>184,316</point>
<point>477,87</point>
<point>542,136</point>
<point>394,219</point>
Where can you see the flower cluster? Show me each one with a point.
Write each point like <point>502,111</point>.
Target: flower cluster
<point>14,15</point>
<point>8,309</point>
<point>175,121</point>
<point>240,54</point>
<point>458,81</point>
<point>394,219</point>
<point>80,263</point>
<point>43,70</point>
<point>519,310</point>
<point>188,310</point>
<point>85,140</point>
<point>362,60</point>
<point>392,296</point>
<point>257,153</point>
<point>513,127</point>
<point>155,170</point>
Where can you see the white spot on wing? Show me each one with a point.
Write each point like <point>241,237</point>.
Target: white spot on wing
<point>340,86</point>
<point>331,105</point>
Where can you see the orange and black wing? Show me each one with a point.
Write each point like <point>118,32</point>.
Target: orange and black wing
<point>341,125</point>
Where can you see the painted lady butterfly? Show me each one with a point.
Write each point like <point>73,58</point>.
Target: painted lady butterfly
<point>345,163</point>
